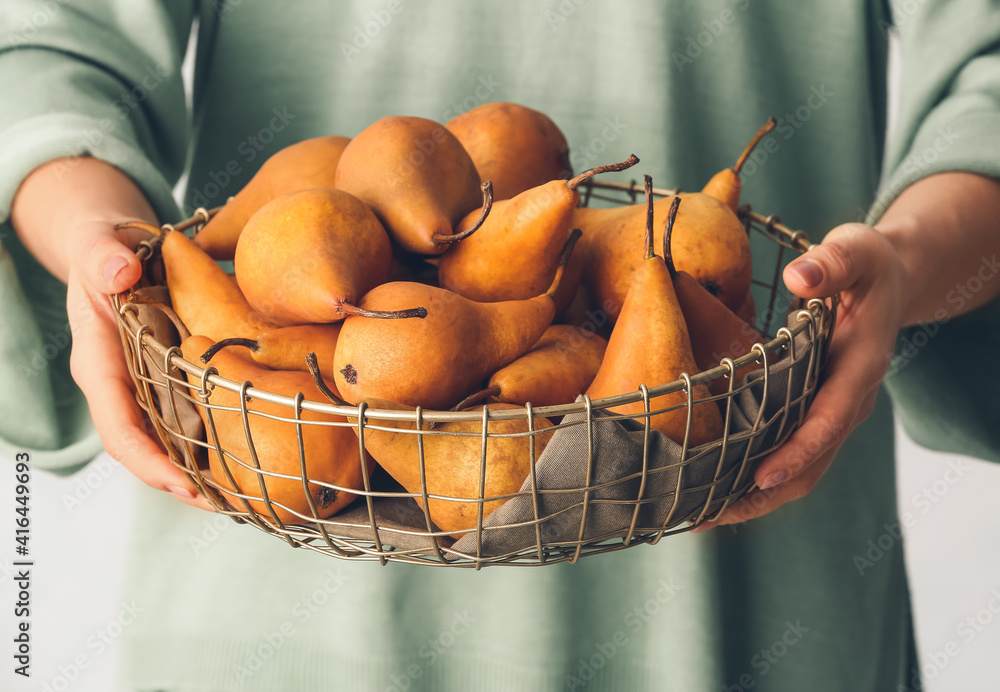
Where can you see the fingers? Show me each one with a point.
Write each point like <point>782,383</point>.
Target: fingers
<point>857,262</point>
<point>854,262</point>
<point>848,255</point>
<point>98,366</point>
<point>102,261</point>
<point>757,503</point>
<point>807,454</point>
<point>846,394</point>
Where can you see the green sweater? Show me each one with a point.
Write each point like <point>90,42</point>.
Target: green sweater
<point>783,603</point>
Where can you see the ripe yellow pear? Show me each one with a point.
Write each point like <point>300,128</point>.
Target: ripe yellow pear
<point>307,257</point>
<point>555,371</point>
<point>300,166</point>
<point>515,147</point>
<point>417,178</point>
<point>715,331</point>
<point>515,252</point>
<point>206,299</point>
<point>725,185</point>
<point>650,345</point>
<point>331,452</point>
<point>285,348</point>
<point>436,361</point>
<point>709,243</point>
<point>453,462</point>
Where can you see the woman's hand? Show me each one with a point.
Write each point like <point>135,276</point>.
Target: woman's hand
<point>933,238</point>
<point>862,265</point>
<point>102,263</point>
<point>65,215</point>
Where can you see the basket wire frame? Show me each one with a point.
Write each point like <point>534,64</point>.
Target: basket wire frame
<point>328,536</point>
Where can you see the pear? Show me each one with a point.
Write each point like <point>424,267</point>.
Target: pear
<point>301,166</point>
<point>436,361</point>
<point>515,147</point>
<point>709,243</point>
<point>330,451</point>
<point>285,348</point>
<point>725,185</point>
<point>453,459</point>
<point>306,258</point>
<point>715,331</point>
<point>417,178</point>
<point>515,252</point>
<point>206,299</point>
<point>555,371</point>
<point>650,345</point>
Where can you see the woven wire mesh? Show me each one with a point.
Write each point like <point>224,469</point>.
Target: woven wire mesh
<point>165,382</point>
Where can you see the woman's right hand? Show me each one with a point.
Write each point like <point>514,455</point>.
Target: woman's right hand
<point>65,214</point>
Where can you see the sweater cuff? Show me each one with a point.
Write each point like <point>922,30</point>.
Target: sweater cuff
<point>45,138</point>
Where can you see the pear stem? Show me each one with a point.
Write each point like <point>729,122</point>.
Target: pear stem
<point>649,216</point>
<point>668,256</point>
<point>141,226</point>
<point>138,299</point>
<point>597,170</point>
<point>354,311</point>
<point>574,236</point>
<point>767,127</point>
<point>313,365</point>
<point>235,341</point>
<point>487,189</point>
<point>492,390</point>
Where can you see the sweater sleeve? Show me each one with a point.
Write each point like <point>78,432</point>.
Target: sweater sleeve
<point>98,78</point>
<point>943,378</point>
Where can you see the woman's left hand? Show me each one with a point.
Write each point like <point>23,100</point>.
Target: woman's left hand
<point>860,264</point>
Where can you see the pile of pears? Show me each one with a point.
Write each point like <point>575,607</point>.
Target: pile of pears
<point>447,267</point>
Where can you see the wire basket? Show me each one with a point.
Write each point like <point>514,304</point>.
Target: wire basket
<point>628,485</point>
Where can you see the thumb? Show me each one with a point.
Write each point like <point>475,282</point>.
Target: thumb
<point>105,263</point>
<point>848,254</point>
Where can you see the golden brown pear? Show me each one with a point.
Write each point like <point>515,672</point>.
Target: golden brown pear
<point>715,331</point>
<point>417,178</point>
<point>515,252</point>
<point>331,452</point>
<point>301,166</point>
<point>285,348</point>
<point>709,243</point>
<point>307,257</point>
<point>555,371</point>
<point>453,462</point>
<point>206,299</point>
<point>725,185</point>
<point>515,147</point>
<point>650,345</point>
<point>436,361</point>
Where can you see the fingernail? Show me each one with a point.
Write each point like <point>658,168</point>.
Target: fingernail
<point>776,478</point>
<point>808,272</point>
<point>113,267</point>
<point>181,492</point>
